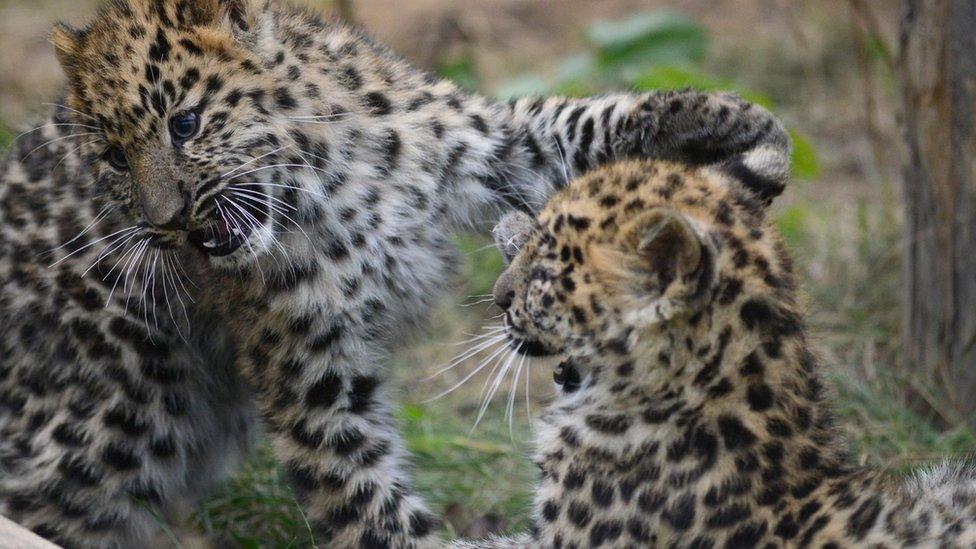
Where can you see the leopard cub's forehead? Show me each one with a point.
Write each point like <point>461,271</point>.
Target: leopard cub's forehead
<point>136,60</point>
<point>594,207</point>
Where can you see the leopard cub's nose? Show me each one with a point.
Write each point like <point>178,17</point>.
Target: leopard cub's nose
<point>504,291</point>
<point>504,300</point>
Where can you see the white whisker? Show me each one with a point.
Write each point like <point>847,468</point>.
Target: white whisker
<point>53,141</point>
<point>179,267</point>
<point>479,302</point>
<point>495,385</point>
<point>178,274</point>
<point>166,274</point>
<point>132,271</point>
<point>90,244</point>
<point>39,128</point>
<point>72,151</point>
<point>142,295</point>
<point>512,394</point>
<point>65,107</point>
<point>267,196</point>
<point>149,289</point>
<point>465,356</point>
<point>247,241</point>
<point>469,375</point>
<point>123,260</point>
<point>254,224</point>
<point>98,217</point>
<point>528,381</point>
<point>302,154</point>
<point>327,117</point>
<point>278,185</point>
<point>275,209</point>
<point>115,244</point>
<point>253,160</point>
<point>273,166</point>
<point>489,332</point>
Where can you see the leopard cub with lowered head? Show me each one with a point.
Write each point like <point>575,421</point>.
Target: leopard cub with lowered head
<point>691,411</point>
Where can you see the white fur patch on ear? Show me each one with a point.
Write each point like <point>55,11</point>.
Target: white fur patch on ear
<point>511,232</point>
<point>647,313</point>
<point>265,43</point>
<point>65,40</point>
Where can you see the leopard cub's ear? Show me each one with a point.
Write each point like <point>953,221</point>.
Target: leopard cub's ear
<point>664,247</point>
<point>239,14</point>
<point>659,264</point>
<point>67,41</point>
<point>247,22</point>
<point>511,232</point>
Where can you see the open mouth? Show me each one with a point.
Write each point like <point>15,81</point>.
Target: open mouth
<point>219,239</point>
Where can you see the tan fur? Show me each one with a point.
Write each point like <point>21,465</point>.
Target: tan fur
<point>701,419</point>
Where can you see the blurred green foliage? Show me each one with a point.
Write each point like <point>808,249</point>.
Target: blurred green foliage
<point>885,426</point>
<point>793,225</point>
<point>483,261</point>
<point>646,40</point>
<point>6,136</point>
<point>462,71</point>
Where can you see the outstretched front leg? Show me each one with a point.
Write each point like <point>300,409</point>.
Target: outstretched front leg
<point>536,146</point>
<point>321,392</point>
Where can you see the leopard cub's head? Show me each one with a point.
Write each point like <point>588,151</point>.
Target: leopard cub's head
<point>636,253</point>
<point>183,119</point>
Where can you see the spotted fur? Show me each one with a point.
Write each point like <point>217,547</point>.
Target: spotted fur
<point>691,411</point>
<point>299,182</point>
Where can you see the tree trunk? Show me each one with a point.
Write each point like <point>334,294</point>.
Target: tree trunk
<point>938,70</point>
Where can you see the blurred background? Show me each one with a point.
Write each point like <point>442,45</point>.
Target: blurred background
<point>827,68</point>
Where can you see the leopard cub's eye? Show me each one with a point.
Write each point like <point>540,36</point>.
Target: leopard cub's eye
<point>116,158</point>
<point>184,125</point>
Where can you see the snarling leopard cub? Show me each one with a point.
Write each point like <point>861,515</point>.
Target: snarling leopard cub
<point>692,412</point>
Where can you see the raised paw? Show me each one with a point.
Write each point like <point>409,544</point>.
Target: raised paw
<point>703,128</point>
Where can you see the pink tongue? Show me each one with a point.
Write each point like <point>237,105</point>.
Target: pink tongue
<point>222,230</point>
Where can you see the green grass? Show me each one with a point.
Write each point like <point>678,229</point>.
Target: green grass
<point>256,508</point>
<point>884,431</point>
<point>483,264</point>
<point>464,475</point>
<point>469,474</point>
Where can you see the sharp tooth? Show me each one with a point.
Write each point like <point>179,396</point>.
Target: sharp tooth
<point>210,243</point>
<point>235,232</point>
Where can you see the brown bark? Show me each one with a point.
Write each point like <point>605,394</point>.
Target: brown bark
<point>938,70</point>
